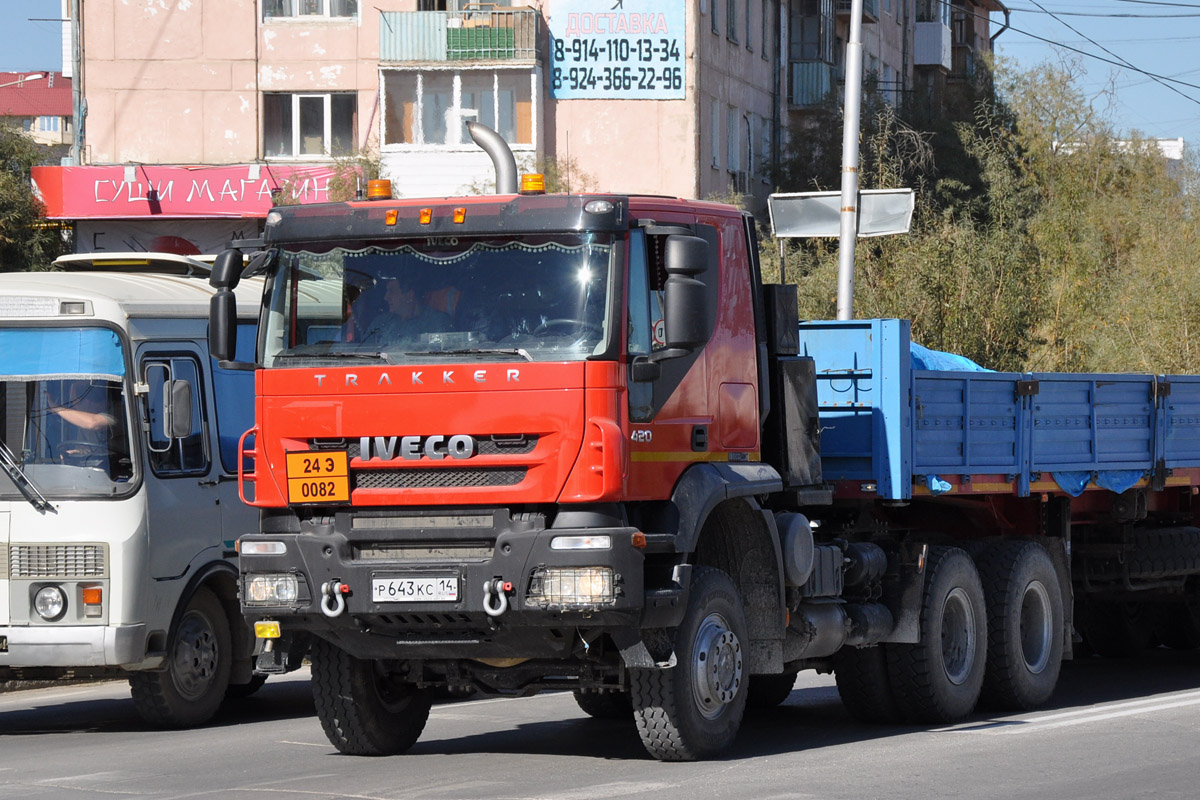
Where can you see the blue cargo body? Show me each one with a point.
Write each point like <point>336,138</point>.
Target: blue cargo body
<point>887,427</point>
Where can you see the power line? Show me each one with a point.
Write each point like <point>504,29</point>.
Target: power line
<point>1160,3</point>
<point>1110,15</point>
<point>1162,80</point>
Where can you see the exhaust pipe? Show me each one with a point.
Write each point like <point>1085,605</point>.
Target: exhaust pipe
<point>502,158</point>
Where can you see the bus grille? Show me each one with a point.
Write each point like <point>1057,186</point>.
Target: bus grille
<point>57,561</point>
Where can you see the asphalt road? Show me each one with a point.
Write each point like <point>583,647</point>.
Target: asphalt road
<point>1114,730</point>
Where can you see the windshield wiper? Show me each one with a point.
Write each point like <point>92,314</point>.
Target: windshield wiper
<point>371,356</point>
<point>476,351</point>
<point>8,462</point>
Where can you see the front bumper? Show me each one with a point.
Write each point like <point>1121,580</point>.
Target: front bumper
<point>76,647</point>
<point>509,550</point>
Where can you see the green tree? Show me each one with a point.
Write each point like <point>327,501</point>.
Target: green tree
<point>26,241</point>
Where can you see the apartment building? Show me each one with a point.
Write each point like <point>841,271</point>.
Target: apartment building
<point>39,104</point>
<point>204,113</point>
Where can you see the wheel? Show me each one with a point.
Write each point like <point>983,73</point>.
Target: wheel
<point>364,710</point>
<point>199,657</point>
<point>605,705</point>
<point>579,325</point>
<point>1118,629</point>
<point>238,691</point>
<point>769,691</point>
<point>938,680</point>
<point>1025,625</point>
<point>694,709</point>
<point>864,685</point>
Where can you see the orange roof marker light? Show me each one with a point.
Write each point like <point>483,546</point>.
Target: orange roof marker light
<point>460,216</point>
<point>533,183</point>
<point>390,216</point>
<point>426,216</point>
<point>379,190</point>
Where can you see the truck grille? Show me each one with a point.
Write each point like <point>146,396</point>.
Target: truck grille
<point>57,561</point>
<point>446,478</point>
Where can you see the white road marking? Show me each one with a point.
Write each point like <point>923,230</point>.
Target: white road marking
<point>1009,726</point>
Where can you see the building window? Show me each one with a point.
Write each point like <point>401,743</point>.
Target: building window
<point>812,31</point>
<point>432,108</point>
<point>714,116</point>
<point>934,11</point>
<point>763,37</point>
<point>716,26</point>
<point>764,150</point>
<point>48,124</point>
<point>731,20</point>
<point>273,9</point>
<point>733,156</point>
<point>749,25</point>
<point>309,125</point>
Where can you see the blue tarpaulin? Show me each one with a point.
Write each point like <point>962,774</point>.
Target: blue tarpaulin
<point>924,358</point>
<point>48,353</point>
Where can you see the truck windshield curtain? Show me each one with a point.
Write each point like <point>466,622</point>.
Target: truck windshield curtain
<point>65,414</point>
<point>539,298</point>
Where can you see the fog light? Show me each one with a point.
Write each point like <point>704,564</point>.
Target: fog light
<point>50,603</point>
<point>267,629</point>
<point>272,590</point>
<point>571,587</point>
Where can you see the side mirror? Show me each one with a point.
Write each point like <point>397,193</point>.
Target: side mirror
<point>687,305</point>
<point>222,325</point>
<point>226,270</point>
<point>177,407</point>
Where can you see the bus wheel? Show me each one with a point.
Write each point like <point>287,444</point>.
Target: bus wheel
<point>694,709</point>
<point>364,710</point>
<point>1025,625</point>
<point>199,657</point>
<point>938,680</point>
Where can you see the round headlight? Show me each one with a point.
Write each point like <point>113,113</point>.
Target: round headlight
<point>50,603</point>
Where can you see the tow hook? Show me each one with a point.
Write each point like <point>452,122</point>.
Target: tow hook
<point>333,600</point>
<point>498,588</point>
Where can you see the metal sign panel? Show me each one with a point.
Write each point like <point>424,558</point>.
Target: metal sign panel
<point>802,215</point>
<point>617,49</point>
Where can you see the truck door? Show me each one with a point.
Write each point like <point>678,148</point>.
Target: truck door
<point>233,402</point>
<point>669,417</point>
<point>184,515</point>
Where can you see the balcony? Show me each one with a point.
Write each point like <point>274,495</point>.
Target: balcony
<point>471,35</point>
<point>870,10</point>
<point>809,82</point>
<point>931,45</point>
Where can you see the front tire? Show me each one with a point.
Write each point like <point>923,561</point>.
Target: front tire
<point>200,656</point>
<point>694,709</point>
<point>938,680</point>
<point>364,710</point>
<point>1025,625</point>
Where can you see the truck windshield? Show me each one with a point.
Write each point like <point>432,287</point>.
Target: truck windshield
<point>63,405</point>
<point>539,299</point>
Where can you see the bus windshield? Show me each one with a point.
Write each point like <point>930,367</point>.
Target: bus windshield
<point>535,298</point>
<point>65,413</point>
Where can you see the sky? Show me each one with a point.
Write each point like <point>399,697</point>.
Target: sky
<point>1162,38</point>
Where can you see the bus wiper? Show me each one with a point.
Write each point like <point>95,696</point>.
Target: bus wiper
<point>476,351</point>
<point>8,462</point>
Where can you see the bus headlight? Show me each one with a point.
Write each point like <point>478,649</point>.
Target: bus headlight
<point>272,590</point>
<point>571,587</point>
<point>50,603</point>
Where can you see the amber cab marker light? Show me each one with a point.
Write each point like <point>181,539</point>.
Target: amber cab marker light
<point>533,183</point>
<point>638,540</point>
<point>460,216</point>
<point>391,216</point>
<point>426,216</point>
<point>93,595</point>
<point>379,190</point>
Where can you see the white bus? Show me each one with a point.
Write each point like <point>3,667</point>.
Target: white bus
<point>119,505</point>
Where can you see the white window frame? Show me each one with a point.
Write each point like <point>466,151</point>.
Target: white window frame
<point>323,16</point>
<point>457,73</point>
<point>326,132</point>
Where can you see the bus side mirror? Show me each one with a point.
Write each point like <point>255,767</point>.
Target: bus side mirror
<point>226,270</point>
<point>222,325</point>
<point>177,409</point>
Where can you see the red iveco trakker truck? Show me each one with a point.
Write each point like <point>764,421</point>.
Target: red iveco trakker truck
<point>525,442</point>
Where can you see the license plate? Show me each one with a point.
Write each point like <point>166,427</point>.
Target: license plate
<point>424,589</point>
<point>318,477</point>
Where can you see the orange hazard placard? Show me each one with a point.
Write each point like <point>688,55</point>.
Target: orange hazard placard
<point>318,477</point>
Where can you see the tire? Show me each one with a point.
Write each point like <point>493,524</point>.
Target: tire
<point>938,680</point>
<point>769,691</point>
<point>1179,628</point>
<point>864,685</point>
<point>605,705</point>
<point>365,712</point>
<point>1121,629</point>
<point>1025,625</point>
<point>240,691</point>
<point>694,709</point>
<point>199,658</point>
